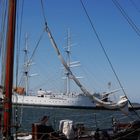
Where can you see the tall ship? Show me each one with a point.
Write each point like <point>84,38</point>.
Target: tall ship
<point>67,99</point>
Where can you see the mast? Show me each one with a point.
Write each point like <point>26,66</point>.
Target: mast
<point>26,65</point>
<point>69,63</point>
<point>9,69</point>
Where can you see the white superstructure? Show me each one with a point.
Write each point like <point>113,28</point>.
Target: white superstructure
<point>48,99</point>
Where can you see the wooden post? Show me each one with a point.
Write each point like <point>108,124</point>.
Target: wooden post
<point>9,69</point>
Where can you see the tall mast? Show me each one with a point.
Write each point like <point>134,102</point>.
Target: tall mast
<point>68,61</point>
<point>9,69</point>
<point>26,65</point>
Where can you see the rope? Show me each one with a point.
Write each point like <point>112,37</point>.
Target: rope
<point>41,36</point>
<point>19,41</point>
<point>134,27</point>
<point>128,19</point>
<point>18,31</point>
<point>106,55</point>
<point>138,129</point>
<point>43,11</point>
<point>3,16</point>
<point>3,38</point>
<point>36,46</point>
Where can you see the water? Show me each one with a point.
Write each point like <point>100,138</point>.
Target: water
<point>91,118</point>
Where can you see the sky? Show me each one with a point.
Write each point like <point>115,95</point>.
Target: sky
<point>120,41</point>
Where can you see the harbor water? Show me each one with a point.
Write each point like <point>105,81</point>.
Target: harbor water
<point>89,117</point>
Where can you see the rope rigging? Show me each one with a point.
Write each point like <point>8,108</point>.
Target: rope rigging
<point>101,45</point>
<point>20,12</point>
<point>16,110</point>
<point>106,55</point>
<point>37,44</point>
<point>3,19</point>
<point>18,42</point>
<point>121,104</point>
<point>19,31</point>
<point>128,19</point>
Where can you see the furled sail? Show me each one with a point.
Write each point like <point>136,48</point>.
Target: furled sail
<point>121,104</point>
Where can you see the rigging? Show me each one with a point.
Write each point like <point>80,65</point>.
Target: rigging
<point>122,104</point>
<point>18,43</point>
<point>101,45</point>
<point>128,19</point>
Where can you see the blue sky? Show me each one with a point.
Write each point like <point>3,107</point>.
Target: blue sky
<point>122,44</point>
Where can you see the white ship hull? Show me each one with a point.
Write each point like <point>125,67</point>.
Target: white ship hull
<point>73,101</point>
